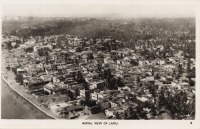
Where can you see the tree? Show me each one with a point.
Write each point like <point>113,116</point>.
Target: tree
<point>191,82</point>
<point>117,116</point>
<point>111,83</point>
<point>119,82</point>
<point>40,52</point>
<point>76,61</point>
<point>87,96</point>
<point>108,47</point>
<point>78,49</point>
<point>143,115</point>
<point>129,112</point>
<point>43,51</point>
<point>83,43</point>
<point>8,67</point>
<point>157,76</point>
<point>82,102</point>
<point>77,92</point>
<point>138,80</point>
<point>101,56</point>
<point>180,69</point>
<point>78,77</point>
<point>99,67</point>
<point>125,115</point>
<point>107,73</point>
<point>134,62</point>
<point>18,41</point>
<point>9,46</point>
<point>19,78</point>
<point>90,56</point>
<point>29,49</point>
<point>71,94</point>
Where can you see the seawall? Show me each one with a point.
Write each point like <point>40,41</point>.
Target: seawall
<point>27,99</point>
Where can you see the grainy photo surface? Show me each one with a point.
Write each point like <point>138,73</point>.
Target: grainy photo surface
<point>94,64</point>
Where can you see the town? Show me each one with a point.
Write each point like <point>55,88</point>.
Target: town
<point>150,76</point>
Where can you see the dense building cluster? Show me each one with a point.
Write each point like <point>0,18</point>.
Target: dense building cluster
<point>149,78</point>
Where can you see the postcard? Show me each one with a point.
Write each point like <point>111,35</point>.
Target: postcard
<point>91,64</point>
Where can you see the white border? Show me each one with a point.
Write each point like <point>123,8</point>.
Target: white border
<point>142,124</point>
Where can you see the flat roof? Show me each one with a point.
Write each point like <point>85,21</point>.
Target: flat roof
<point>59,105</point>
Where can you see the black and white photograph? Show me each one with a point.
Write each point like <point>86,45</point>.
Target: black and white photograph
<point>98,62</point>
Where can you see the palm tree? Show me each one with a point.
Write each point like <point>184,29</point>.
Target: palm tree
<point>117,115</point>
<point>78,77</point>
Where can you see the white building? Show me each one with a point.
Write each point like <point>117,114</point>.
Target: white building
<point>109,112</point>
<point>58,107</point>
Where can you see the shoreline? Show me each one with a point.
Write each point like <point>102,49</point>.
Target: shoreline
<point>27,99</point>
<point>38,107</point>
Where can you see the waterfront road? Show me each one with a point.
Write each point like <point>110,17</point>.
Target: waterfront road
<point>14,106</point>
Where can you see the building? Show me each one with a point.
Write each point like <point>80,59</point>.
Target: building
<point>49,88</point>
<point>58,107</point>
<point>21,71</point>
<point>110,112</point>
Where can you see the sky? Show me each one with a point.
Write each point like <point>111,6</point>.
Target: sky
<point>99,10</point>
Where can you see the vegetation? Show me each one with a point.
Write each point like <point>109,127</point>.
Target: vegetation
<point>19,78</point>
<point>130,31</point>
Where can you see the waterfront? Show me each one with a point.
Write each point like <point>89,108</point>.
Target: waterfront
<point>15,107</point>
